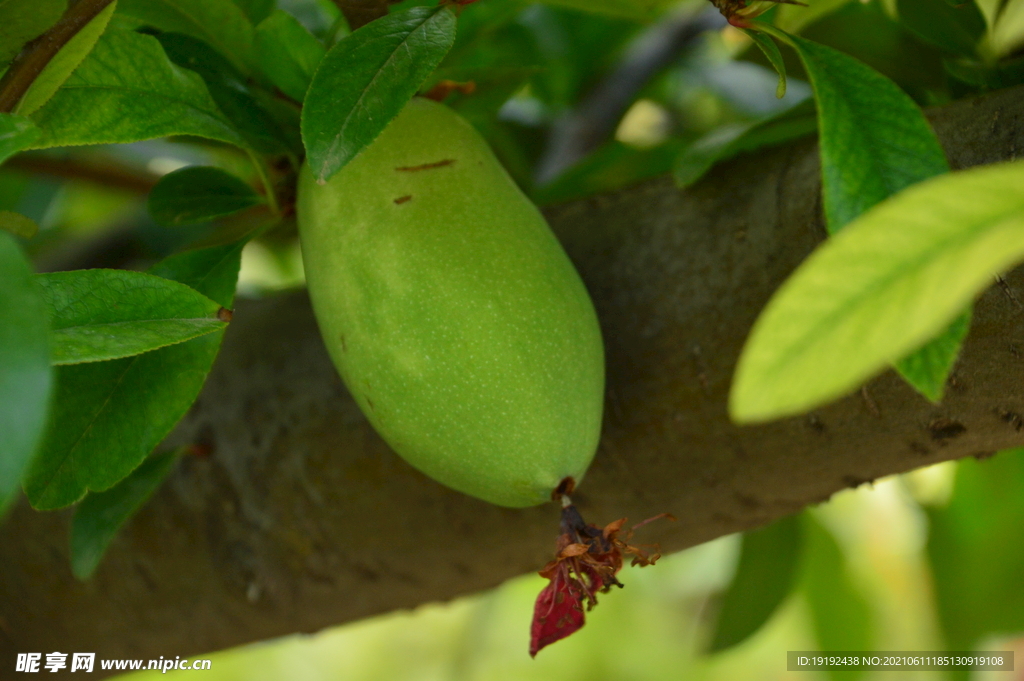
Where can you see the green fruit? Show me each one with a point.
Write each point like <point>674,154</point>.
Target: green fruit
<point>452,313</point>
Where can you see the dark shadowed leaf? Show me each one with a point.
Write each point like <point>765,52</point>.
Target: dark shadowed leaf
<point>220,23</point>
<point>229,89</point>
<point>366,80</point>
<point>101,514</point>
<point>98,315</point>
<point>127,90</point>
<point>952,27</point>
<point>197,194</point>
<point>764,577</point>
<point>872,293</point>
<point>256,10</point>
<point>288,54</point>
<point>976,554</point>
<point>108,416</point>
<point>16,133</point>
<point>64,63</point>
<point>23,20</point>
<point>25,373</point>
<point>733,139</point>
<point>18,224</point>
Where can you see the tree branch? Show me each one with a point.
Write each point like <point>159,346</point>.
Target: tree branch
<point>34,57</point>
<point>302,518</point>
<point>102,170</point>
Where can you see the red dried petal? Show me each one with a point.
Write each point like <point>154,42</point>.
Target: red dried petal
<point>556,614</point>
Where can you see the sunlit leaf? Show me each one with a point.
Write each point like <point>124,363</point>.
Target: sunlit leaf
<point>366,79</point>
<point>880,288</point>
<point>127,90</point>
<point>64,63</point>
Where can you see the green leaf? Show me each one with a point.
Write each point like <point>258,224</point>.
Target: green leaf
<point>220,23</point>
<point>25,374</point>
<point>108,416</point>
<point>229,90</point>
<point>879,289</point>
<point>16,133</point>
<point>975,551</point>
<point>17,224</point>
<point>874,141</point>
<point>733,139</point>
<point>764,577</point>
<point>198,194</point>
<point>64,63</point>
<point>288,54</point>
<point>771,52</point>
<point>839,611</point>
<point>98,315</point>
<point>793,18</point>
<point>127,90</point>
<point>25,20</point>
<point>256,10</point>
<point>637,10</point>
<point>954,28</point>
<point>101,514</point>
<point>1008,32</point>
<point>928,368</point>
<point>366,79</point>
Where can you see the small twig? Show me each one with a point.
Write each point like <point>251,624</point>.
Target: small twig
<point>595,119</point>
<point>34,57</point>
<point>105,171</point>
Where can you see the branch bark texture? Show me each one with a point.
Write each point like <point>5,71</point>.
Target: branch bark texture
<point>302,518</point>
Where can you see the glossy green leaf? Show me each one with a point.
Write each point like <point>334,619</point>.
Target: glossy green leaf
<point>841,615</point>
<point>737,138</point>
<point>127,90</point>
<point>101,514</point>
<point>18,224</point>
<point>288,54</point>
<point>197,194</point>
<point>108,416</point>
<point>16,133</point>
<point>230,90</point>
<point>874,141</point>
<point>219,23</point>
<point>880,288</point>
<point>954,28</point>
<point>764,577</point>
<point>98,315</point>
<point>774,57</point>
<point>64,63</point>
<point>25,373</point>
<point>975,551</point>
<point>24,20</point>
<point>366,79</point>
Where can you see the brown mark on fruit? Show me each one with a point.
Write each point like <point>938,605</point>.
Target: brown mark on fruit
<point>225,314</point>
<point>426,166</point>
<point>402,199</point>
<point>566,487</point>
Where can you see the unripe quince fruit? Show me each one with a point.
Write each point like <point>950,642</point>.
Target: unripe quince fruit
<point>455,318</point>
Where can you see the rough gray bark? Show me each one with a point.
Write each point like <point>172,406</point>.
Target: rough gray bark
<point>302,518</point>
